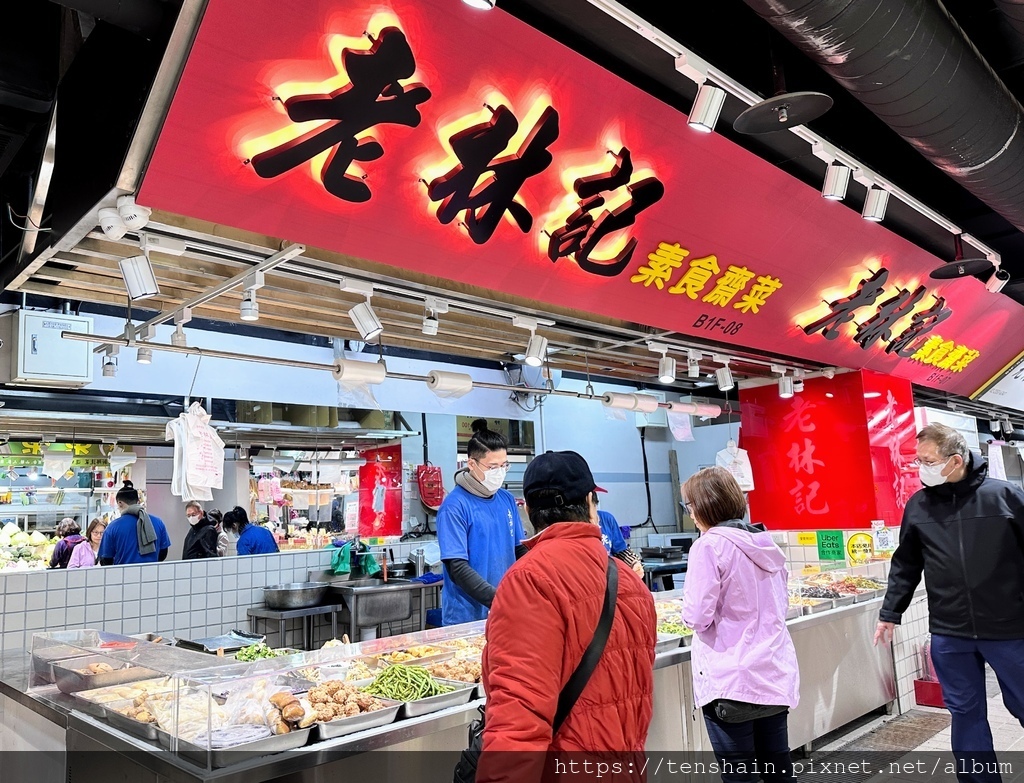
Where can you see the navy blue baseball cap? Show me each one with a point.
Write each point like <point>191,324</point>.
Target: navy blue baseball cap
<point>558,478</point>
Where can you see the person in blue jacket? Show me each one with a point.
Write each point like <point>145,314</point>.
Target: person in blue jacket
<point>135,536</point>
<point>252,539</point>
<point>478,529</point>
<point>611,537</point>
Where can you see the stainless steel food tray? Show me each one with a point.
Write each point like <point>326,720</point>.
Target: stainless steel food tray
<point>687,640</point>
<point>130,725</point>
<point>71,681</point>
<point>450,644</point>
<point>867,595</point>
<point>823,605</point>
<point>366,720</point>
<point>461,695</point>
<point>794,611</point>
<point>843,600</point>
<point>43,660</point>
<point>435,658</point>
<point>225,757</point>
<point>666,642</point>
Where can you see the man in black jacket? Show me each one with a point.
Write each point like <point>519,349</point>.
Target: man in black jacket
<point>201,539</point>
<point>965,531</point>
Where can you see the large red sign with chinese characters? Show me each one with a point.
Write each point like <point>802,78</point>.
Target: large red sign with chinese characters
<point>464,144</point>
<point>836,456</point>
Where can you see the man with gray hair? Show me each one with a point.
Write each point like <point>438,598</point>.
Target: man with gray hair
<point>965,532</point>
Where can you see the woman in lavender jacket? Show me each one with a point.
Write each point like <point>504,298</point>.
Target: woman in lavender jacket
<point>86,554</point>
<point>745,674</point>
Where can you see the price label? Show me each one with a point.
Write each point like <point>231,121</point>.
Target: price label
<point>807,539</point>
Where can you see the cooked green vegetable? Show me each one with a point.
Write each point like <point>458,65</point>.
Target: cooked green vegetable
<point>257,652</point>
<point>406,683</point>
<point>676,629</point>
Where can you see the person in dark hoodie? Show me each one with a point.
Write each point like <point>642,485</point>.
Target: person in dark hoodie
<point>201,539</point>
<point>70,535</point>
<point>965,532</point>
<point>478,529</point>
<point>745,672</point>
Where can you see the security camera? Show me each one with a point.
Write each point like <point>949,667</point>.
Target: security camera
<point>999,279</point>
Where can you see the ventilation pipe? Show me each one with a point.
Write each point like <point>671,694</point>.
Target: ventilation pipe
<point>909,63</point>
<point>1013,10</point>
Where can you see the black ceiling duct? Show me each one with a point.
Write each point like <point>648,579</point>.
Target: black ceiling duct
<point>143,17</point>
<point>911,65</point>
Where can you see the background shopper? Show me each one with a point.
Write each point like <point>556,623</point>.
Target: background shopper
<point>87,554</point>
<point>965,532</point>
<point>252,539</point>
<point>615,543</point>
<point>217,517</point>
<point>135,536</point>
<point>478,529</point>
<point>69,534</point>
<point>543,618</point>
<point>201,539</point>
<point>745,675</point>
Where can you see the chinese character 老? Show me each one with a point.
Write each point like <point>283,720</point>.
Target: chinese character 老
<point>843,310</point>
<point>800,416</point>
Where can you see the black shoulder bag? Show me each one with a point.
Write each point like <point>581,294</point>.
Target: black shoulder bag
<point>465,770</point>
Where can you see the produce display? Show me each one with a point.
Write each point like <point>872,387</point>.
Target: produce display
<point>257,652</point>
<point>359,670</point>
<point>462,669</point>
<point>472,646</point>
<point>334,700</point>
<point>796,600</point>
<point>410,654</point>
<point>859,583</point>
<point>816,591</point>
<point>21,551</point>
<point>406,683</point>
<point>676,629</point>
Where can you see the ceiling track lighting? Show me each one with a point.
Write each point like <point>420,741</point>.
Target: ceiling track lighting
<point>144,355</point>
<point>1007,426</point>
<point>707,106</point>
<point>178,339</point>
<point>537,348</point>
<point>433,308</point>
<point>997,281</point>
<point>111,224</point>
<point>249,308</point>
<point>837,180</point>
<point>362,315</point>
<point>786,385</point>
<point>693,363</point>
<point>666,365</point>
<point>139,278</point>
<point>875,203</point>
<point>110,361</point>
<point>798,380</point>
<point>995,426</point>
<point>723,375</point>
<point>135,217</point>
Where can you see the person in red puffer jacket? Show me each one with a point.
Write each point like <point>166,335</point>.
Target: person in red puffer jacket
<point>544,615</point>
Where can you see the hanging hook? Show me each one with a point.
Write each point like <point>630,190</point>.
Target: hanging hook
<point>590,386</point>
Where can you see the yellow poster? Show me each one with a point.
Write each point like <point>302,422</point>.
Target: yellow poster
<point>860,547</point>
<point>807,539</point>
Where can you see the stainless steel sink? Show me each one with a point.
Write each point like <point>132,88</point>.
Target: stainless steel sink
<point>371,602</point>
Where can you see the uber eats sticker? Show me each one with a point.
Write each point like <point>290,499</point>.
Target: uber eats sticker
<point>830,545</point>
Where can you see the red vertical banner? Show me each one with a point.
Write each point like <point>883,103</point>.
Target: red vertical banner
<point>809,454</point>
<point>889,408</point>
<point>380,492</point>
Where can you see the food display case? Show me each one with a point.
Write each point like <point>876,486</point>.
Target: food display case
<point>187,716</point>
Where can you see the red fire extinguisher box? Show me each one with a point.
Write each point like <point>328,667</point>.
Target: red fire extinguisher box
<point>928,693</point>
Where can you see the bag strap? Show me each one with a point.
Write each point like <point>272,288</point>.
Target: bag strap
<point>579,679</point>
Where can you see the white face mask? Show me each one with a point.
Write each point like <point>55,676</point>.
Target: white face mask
<point>494,479</point>
<point>193,520</point>
<point>931,475</point>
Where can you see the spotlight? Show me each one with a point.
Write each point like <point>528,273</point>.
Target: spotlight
<point>430,324</point>
<point>249,308</point>
<point>133,215</point>
<point>178,339</point>
<point>667,369</point>
<point>837,178</point>
<point>139,279</point>
<point>998,280</point>
<point>724,379</point>
<point>536,350</point>
<point>111,224</point>
<point>1007,427</point>
<point>366,321</point>
<point>786,387</point>
<point>109,366</point>
<point>874,204</point>
<point>144,356</point>
<point>995,425</point>
<point>693,363</point>
<point>706,108</point>
<point>798,380</point>
<point>483,5</point>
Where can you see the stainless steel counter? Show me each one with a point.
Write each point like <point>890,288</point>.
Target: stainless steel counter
<point>842,677</point>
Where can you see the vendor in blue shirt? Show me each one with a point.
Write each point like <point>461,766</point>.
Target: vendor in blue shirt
<point>252,539</point>
<point>478,529</point>
<point>614,542</point>
<point>135,536</point>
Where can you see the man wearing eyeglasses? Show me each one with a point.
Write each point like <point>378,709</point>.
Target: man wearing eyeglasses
<point>965,532</point>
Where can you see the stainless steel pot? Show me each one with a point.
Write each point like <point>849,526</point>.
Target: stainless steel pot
<point>295,595</point>
<point>400,570</point>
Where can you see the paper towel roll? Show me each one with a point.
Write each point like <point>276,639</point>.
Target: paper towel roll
<point>696,409</point>
<point>449,385</point>
<point>645,403</point>
<point>616,400</point>
<point>351,372</point>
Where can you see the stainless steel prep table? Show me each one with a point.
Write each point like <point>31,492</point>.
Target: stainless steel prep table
<point>842,677</point>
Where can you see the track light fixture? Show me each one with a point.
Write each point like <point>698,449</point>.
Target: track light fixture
<point>786,386</point>
<point>249,309</point>
<point>995,425</point>
<point>875,203</point>
<point>430,324</point>
<point>1007,426</point>
<point>178,339</point>
<point>144,355</point>
<point>537,348</point>
<point>837,179</point>
<point>706,108</point>
<point>723,375</point>
<point>139,278</point>
<point>798,380</point>
<point>110,361</point>
<point>134,216</point>
<point>693,363</point>
<point>997,281</point>
<point>433,308</point>
<point>666,365</point>
<point>111,224</point>
<point>363,317</point>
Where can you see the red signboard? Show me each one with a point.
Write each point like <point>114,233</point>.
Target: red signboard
<point>836,456</point>
<point>434,137</point>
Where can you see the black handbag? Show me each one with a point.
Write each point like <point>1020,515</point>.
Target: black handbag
<point>465,770</point>
<point>729,711</point>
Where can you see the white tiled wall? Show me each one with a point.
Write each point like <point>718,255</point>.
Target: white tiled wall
<point>189,599</point>
<point>910,637</point>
